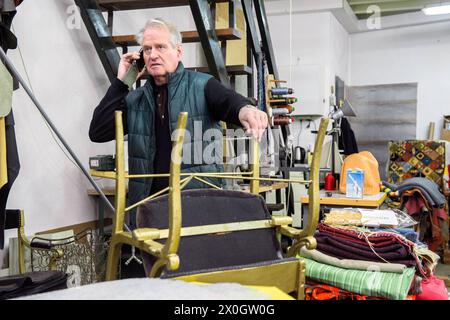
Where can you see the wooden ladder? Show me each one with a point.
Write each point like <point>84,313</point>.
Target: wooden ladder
<point>213,40</point>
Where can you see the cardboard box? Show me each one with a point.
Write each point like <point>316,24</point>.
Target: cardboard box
<point>354,184</point>
<point>445,135</point>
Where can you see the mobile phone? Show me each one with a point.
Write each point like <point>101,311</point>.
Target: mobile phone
<point>140,63</point>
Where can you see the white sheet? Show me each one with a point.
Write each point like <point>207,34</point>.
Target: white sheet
<point>152,289</point>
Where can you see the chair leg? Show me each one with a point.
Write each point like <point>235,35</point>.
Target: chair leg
<point>112,264</point>
<point>301,279</point>
<point>22,268</point>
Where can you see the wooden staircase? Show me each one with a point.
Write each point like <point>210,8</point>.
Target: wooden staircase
<point>187,37</point>
<point>213,40</point>
<point>114,5</point>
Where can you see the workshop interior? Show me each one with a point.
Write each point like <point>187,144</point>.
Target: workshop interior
<point>340,191</point>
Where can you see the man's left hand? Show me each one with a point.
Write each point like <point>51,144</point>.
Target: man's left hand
<point>253,120</point>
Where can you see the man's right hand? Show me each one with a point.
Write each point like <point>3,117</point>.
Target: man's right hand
<point>125,64</point>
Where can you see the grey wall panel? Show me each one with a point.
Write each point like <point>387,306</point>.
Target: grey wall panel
<point>384,113</point>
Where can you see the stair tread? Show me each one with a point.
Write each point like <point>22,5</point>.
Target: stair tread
<point>142,4</point>
<point>187,36</point>
<point>235,70</point>
<point>232,70</point>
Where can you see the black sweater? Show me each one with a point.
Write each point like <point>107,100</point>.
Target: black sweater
<point>223,103</point>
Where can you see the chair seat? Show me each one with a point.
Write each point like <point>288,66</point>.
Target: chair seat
<point>203,207</point>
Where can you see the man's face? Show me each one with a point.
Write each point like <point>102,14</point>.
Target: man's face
<point>161,58</point>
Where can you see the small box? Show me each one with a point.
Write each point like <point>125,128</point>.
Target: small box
<point>102,163</point>
<point>355,183</point>
<point>446,123</point>
<point>445,134</point>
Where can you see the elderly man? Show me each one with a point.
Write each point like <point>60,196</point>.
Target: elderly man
<point>151,111</point>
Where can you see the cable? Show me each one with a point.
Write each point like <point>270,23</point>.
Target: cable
<point>32,90</point>
<point>290,41</point>
<point>299,132</point>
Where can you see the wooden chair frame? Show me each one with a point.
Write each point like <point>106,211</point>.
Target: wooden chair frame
<point>166,254</point>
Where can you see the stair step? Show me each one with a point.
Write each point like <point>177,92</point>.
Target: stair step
<point>237,70</point>
<point>187,36</point>
<point>112,5</point>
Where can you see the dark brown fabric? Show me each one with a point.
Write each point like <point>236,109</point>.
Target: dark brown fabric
<point>206,207</point>
<point>12,219</point>
<point>32,283</point>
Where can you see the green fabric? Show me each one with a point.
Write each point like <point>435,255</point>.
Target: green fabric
<point>185,94</point>
<point>394,286</point>
<point>351,264</point>
<point>6,91</point>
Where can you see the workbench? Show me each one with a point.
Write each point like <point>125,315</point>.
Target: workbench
<point>339,200</point>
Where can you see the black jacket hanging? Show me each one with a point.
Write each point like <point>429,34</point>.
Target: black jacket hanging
<point>347,140</point>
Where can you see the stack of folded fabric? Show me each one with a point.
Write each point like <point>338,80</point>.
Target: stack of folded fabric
<point>368,263</point>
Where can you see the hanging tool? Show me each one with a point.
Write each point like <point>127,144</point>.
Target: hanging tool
<point>133,256</point>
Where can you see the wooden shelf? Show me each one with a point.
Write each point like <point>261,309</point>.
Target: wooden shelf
<point>236,70</point>
<point>187,36</point>
<point>341,200</point>
<point>113,5</point>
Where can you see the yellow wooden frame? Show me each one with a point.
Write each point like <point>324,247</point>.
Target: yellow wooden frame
<point>166,254</point>
<point>24,242</point>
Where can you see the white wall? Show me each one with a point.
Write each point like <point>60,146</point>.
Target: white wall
<point>68,80</point>
<point>339,51</point>
<point>131,21</point>
<point>318,41</point>
<point>403,55</point>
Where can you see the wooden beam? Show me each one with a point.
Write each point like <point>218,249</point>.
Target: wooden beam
<point>371,2</point>
<point>232,70</point>
<point>187,36</point>
<point>142,4</point>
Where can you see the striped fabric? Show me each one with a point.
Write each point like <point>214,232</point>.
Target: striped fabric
<point>388,285</point>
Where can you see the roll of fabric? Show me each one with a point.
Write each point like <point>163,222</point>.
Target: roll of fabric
<point>348,243</point>
<point>341,250</point>
<point>352,264</point>
<point>389,285</point>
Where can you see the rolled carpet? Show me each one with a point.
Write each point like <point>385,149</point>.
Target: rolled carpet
<point>390,285</point>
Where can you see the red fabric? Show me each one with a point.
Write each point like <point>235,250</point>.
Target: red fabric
<point>414,205</point>
<point>433,289</point>
<point>326,292</point>
<point>414,202</point>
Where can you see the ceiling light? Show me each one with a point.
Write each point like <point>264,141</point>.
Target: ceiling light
<point>443,8</point>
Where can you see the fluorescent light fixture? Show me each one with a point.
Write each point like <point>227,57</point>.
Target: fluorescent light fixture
<point>443,8</point>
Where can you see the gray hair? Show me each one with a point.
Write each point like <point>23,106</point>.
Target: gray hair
<point>175,35</point>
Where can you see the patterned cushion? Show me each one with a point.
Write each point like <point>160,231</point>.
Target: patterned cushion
<point>416,158</point>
